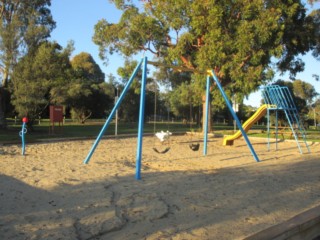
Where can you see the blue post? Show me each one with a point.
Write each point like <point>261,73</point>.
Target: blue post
<point>268,128</point>
<point>141,118</point>
<point>276,125</point>
<point>105,126</point>
<point>205,139</point>
<point>22,133</point>
<point>235,116</point>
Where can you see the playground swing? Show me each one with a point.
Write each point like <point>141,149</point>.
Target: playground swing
<point>162,136</point>
<point>161,152</point>
<point>193,146</point>
<point>142,65</point>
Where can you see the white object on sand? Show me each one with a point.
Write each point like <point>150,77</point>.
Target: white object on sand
<point>163,135</point>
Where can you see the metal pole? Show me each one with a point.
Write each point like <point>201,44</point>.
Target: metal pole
<point>22,133</point>
<point>155,111</point>
<point>116,125</point>
<point>105,126</point>
<point>268,128</point>
<point>205,139</point>
<point>234,106</point>
<point>235,116</point>
<point>315,117</point>
<point>141,118</point>
<point>276,126</point>
<point>22,138</point>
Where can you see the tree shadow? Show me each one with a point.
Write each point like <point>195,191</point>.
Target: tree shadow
<point>234,201</point>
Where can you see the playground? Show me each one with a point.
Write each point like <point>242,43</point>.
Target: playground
<point>205,59</point>
<point>186,187</point>
<point>181,195</point>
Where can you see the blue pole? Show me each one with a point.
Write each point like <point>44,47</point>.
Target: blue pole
<point>141,118</point>
<point>235,116</point>
<point>23,131</point>
<point>276,125</point>
<point>268,127</point>
<point>205,139</point>
<point>105,126</point>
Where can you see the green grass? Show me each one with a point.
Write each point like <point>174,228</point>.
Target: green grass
<point>311,135</point>
<point>92,128</point>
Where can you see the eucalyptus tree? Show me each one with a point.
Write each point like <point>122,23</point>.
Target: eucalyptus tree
<point>315,113</point>
<point>305,91</point>
<point>87,94</point>
<point>240,40</point>
<point>36,75</point>
<point>23,24</point>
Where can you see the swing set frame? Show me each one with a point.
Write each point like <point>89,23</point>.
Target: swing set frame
<point>143,66</point>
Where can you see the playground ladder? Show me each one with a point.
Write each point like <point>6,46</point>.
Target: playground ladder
<point>282,99</point>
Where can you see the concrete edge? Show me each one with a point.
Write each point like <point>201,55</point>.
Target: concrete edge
<point>305,225</point>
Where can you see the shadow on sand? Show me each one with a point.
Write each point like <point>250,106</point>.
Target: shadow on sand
<point>194,204</point>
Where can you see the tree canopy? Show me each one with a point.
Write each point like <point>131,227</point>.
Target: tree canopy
<point>35,75</point>
<point>85,67</point>
<point>24,24</point>
<point>238,39</point>
<point>304,91</point>
<point>85,92</point>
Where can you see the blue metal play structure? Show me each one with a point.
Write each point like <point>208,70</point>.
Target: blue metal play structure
<point>143,64</point>
<point>279,99</point>
<point>22,133</point>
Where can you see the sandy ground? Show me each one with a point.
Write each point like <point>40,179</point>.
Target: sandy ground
<point>51,194</point>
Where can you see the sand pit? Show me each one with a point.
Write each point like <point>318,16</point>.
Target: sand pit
<point>50,194</point>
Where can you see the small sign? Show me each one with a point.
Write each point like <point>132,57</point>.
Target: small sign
<point>56,114</point>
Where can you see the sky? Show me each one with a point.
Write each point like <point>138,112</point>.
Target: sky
<point>75,21</point>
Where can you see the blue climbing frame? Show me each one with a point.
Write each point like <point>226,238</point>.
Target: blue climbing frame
<point>144,63</point>
<point>280,99</point>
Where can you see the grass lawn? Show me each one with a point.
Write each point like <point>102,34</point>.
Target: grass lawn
<point>92,128</point>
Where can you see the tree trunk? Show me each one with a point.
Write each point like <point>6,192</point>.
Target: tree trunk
<point>3,122</point>
<point>204,114</point>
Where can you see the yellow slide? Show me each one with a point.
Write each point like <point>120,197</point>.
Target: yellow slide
<point>228,141</point>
